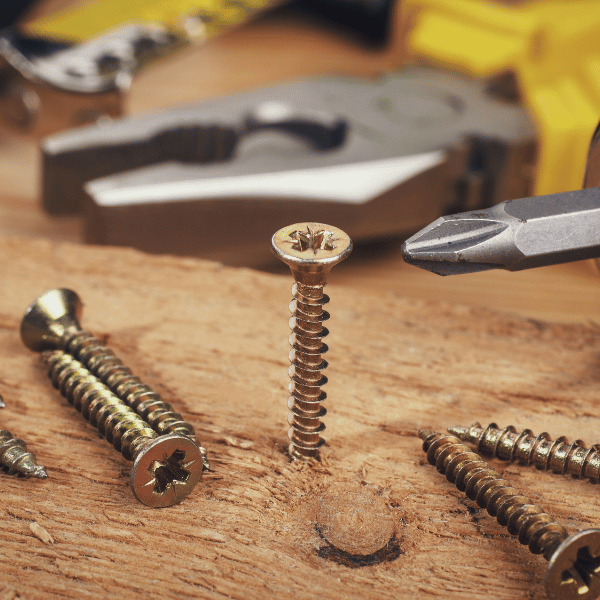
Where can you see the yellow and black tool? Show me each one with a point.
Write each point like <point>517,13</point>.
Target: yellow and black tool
<point>72,67</point>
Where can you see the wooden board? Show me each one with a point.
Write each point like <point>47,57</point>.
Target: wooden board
<point>213,341</point>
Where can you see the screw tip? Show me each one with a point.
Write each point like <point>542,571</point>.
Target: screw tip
<point>40,473</point>
<point>458,431</point>
<point>425,433</point>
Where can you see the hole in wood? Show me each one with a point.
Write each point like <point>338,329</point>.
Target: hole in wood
<point>357,525</point>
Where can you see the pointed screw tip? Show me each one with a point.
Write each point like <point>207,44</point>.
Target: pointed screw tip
<point>425,433</point>
<point>40,473</point>
<point>458,431</point>
<point>36,471</point>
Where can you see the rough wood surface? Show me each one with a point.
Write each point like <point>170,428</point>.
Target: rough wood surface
<point>213,341</point>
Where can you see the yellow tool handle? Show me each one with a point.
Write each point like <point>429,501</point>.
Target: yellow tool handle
<point>89,19</point>
<point>552,48</point>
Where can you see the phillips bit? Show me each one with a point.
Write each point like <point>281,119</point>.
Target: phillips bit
<point>513,235</point>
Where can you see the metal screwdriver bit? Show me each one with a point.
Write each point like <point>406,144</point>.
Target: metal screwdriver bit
<point>513,235</point>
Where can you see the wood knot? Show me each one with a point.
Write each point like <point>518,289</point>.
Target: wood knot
<point>356,520</point>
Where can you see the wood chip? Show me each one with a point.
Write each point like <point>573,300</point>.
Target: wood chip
<point>40,533</point>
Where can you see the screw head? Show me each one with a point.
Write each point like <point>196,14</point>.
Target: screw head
<point>574,568</point>
<point>311,247</point>
<point>49,318</point>
<point>166,471</point>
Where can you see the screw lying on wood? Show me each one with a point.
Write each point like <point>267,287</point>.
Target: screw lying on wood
<point>14,458</point>
<point>573,561</point>
<point>558,456</point>
<point>52,323</point>
<point>310,250</point>
<point>165,468</point>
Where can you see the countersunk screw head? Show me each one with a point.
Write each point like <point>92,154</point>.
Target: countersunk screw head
<point>310,249</point>
<point>574,568</point>
<point>166,471</point>
<point>50,318</point>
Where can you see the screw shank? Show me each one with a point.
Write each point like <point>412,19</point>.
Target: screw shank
<point>533,527</point>
<point>558,456</point>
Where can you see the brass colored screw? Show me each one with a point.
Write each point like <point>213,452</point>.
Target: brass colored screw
<point>310,250</point>
<point>573,570</point>
<point>14,458</point>
<point>528,449</point>
<point>165,468</point>
<point>52,323</point>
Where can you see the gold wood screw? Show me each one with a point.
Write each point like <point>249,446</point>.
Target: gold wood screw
<point>525,447</point>
<point>52,323</point>
<point>14,458</point>
<point>310,250</point>
<point>573,570</point>
<point>165,468</point>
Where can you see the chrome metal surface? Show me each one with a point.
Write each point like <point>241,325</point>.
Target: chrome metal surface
<point>513,235</point>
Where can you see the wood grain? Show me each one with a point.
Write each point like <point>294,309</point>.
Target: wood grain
<point>213,341</point>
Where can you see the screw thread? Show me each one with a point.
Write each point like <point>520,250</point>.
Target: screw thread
<point>558,456</point>
<point>115,421</point>
<point>534,528</point>
<point>15,459</point>
<point>111,371</point>
<point>306,378</point>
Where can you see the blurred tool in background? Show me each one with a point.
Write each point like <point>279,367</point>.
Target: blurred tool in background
<point>514,235</point>
<point>380,158</point>
<point>72,67</point>
<point>208,176</point>
<point>550,47</point>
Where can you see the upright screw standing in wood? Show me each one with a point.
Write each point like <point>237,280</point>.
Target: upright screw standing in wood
<point>573,570</point>
<point>310,250</point>
<point>52,323</point>
<point>166,468</point>
<point>528,449</point>
<point>14,458</point>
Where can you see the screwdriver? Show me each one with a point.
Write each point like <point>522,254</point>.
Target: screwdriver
<point>513,235</point>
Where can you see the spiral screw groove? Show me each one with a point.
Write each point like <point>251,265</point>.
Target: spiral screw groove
<point>310,250</point>
<point>166,468</point>
<point>52,323</point>
<point>558,456</point>
<point>14,458</point>
<point>573,561</point>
